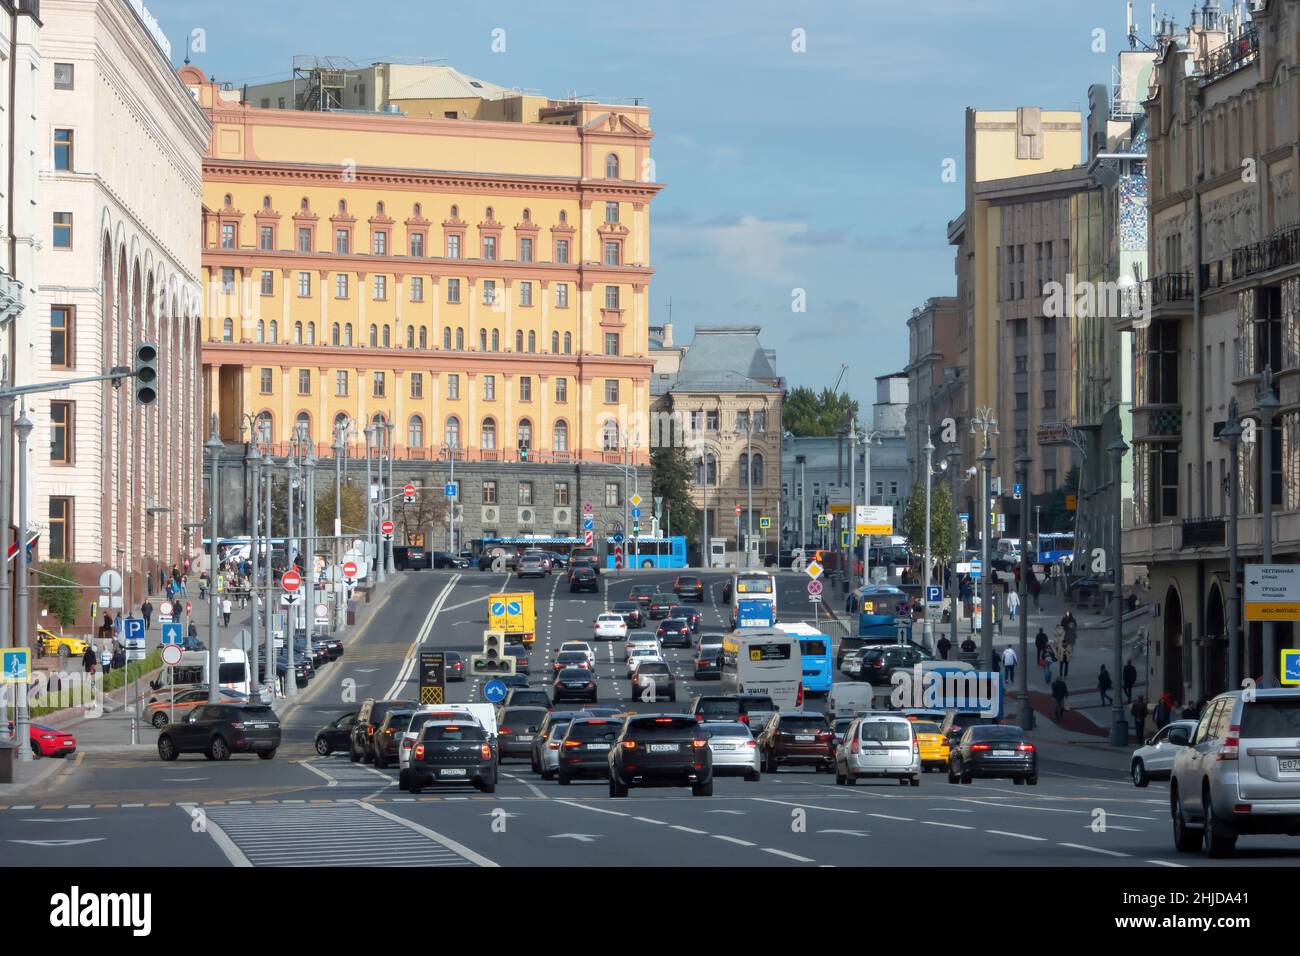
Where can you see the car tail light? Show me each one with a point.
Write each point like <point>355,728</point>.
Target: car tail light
<point>916,746</point>
<point>979,746</point>
<point>1027,748</point>
<point>744,719</point>
<point>553,745</point>
<point>629,745</point>
<point>825,735</point>
<point>699,718</point>
<point>237,725</point>
<point>1231,749</point>
<point>389,730</point>
<point>573,743</point>
<point>697,744</point>
<point>798,701</point>
<point>504,730</point>
<point>1241,808</point>
<point>751,743</point>
<point>853,747</point>
<point>419,752</point>
<point>486,751</point>
<point>370,730</point>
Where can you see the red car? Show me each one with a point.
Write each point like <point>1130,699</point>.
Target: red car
<point>48,742</point>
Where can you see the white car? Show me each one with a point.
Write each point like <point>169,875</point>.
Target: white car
<point>579,646</point>
<point>878,746</point>
<point>1154,760</point>
<point>639,644</point>
<point>611,627</point>
<point>734,749</point>
<point>640,656</point>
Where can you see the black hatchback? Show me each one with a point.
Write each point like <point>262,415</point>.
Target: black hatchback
<point>583,578</point>
<point>674,632</point>
<point>335,735</point>
<point>218,730</point>
<point>993,750</point>
<point>584,751</point>
<point>452,752</point>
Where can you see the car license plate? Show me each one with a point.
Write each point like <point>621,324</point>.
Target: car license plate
<point>452,772</point>
<point>597,746</point>
<point>804,737</point>
<point>1004,753</point>
<point>663,748</point>
<point>525,737</point>
<point>1289,766</point>
<point>258,726</point>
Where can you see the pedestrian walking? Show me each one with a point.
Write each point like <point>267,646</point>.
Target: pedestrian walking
<point>968,645</point>
<point>146,612</point>
<point>1164,710</point>
<point>106,629</point>
<point>1192,711</point>
<point>1045,660</point>
<point>89,660</point>
<point>226,610</point>
<point>1130,677</point>
<point>203,585</point>
<point>1013,605</point>
<point>943,646</point>
<point>1104,684</point>
<point>1035,588</point>
<point>1060,694</point>
<point>1139,712</point>
<point>1064,654</point>
<point>1040,641</point>
<point>1009,662</point>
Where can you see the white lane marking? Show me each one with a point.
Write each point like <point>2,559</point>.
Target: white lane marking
<point>806,806</point>
<point>61,819</point>
<point>1181,866</point>
<point>951,810</point>
<point>886,816</point>
<point>458,848</point>
<point>939,823</point>
<point>536,791</point>
<point>332,782</point>
<point>731,839</point>
<point>226,845</point>
<point>648,820</point>
<point>736,813</point>
<point>408,667</point>
<point>1095,849</point>
<point>789,856</point>
<point>678,826</point>
<point>59,843</point>
<point>1018,836</point>
<point>583,806</point>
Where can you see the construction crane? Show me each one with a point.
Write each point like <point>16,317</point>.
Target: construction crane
<point>843,369</point>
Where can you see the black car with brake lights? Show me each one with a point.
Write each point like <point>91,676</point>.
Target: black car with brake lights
<point>384,743</point>
<point>454,666</point>
<point>335,735</point>
<point>584,752</point>
<point>520,653</point>
<point>570,659</point>
<point>642,593</point>
<point>689,586</point>
<point>993,750</point>
<point>574,683</point>
<point>544,729</point>
<point>692,615</point>
<point>660,602</point>
<point>516,730</point>
<point>674,632</point>
<point>452,752</point>
<point>633,616</point>
<point>666,750</point>
<point>708,663</point>
<point>369,717</point>
<point>583,578</point>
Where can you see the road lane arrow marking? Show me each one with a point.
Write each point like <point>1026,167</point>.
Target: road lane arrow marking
<point>59,842</point>
<point>580,837</point>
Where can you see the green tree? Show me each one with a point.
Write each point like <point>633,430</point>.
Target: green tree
<point>671,480</point>
<point>57,590</point>
<point>940,521</point>
<point>806,413</point>
<point>353,514</point>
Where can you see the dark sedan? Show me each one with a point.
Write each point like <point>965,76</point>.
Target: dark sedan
<point>994,750</point>
<point>455,666</point>
<point>335,735</point>
<point>574,683</point>
<point>687,586</point>
<point>708,663</point>
<point>674,632</point>
<point>585,750</point>
<point>659,605</point>
<point>583,578</point>
<point>633,616</point>
<point>517,729</point>
<point>691,614</point>
<point>452,752</point>
<point>441,559</point>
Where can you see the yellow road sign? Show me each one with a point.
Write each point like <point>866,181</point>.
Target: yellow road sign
<point>636,501</point>
<point>839,509</point>
<point>1272,611</point>
<point>814,570</point>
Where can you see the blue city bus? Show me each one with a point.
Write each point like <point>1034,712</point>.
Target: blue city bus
<point>879,608</point>
<point>754,612</point>
<point>650,553</point>
<point>816,650</point>
<point>1053,547</point>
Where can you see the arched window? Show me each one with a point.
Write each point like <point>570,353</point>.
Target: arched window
<point>744,469</point>
<point>229,200</point>
<point>341,425</point>
<point>311,333</point>
<point>302,426</point>
<point>611,166</point>
<point>379,420</point>
<point>264,426</point>
<point>334,334</point>
<point>343,205</point>
<point>261,330</point>
<point>415,432</point>
<point>460,340</point>
<point>709,475</point>
<point>524,435</point>
<point>387,337</point>
<point>560,439</point>
<point>568,343</point>
<point>451,433</point>
<point>374,335</point>
<point>379,208</point>
<point>488,433</point>
<point>446,337</point>
<point>410,336</point>
<point>555,343</point>
<point>757,476</point>
<point>609,436</point>
<point>274,335</point>
<point>347,334</point>
<point>297,333</point>
<point>455,212</point>
<point>519,340</point>
<point>228,331</point>
<point>496,340</point>
<point>528,215</point>
<point>532,341</point>
<point>482,340</point>
<point>564,216</point>
<point>488,214</point>
<point>416,210</point>
<point>266,202</point>
<point>424,337</point>
<point>305,204</point>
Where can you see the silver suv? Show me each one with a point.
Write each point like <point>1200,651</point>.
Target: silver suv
<point>1241,772</point>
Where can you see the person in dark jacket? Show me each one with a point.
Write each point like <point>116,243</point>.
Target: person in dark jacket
<point>1060,693</point>
<point>1130,677</point>
<point>943,646</point>
<point>89,660</point>
<point>1040,641</point>
<point>1163,711</point>
<point>146,612</point>
<point>1139,712</point>
<point>1104,684</point>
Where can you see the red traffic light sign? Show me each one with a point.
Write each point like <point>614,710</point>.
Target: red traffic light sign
<point>386,527</point>
<point>409,490</point>
<point>291,581</point>
<point>350,569</point>
<point>737,511</point>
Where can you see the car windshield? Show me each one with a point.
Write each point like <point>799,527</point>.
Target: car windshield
<point>1271,718</point>
<point>674,622</point>
<point>398,718</point>
<point>720,707</point>
<point>803,725</point>
<point>664,598</point>
<point>594,730</point>
<point>559,729</point>
<point>525,716</point>
<point>624,606</point>
<point>926,727</point>
<point>453,732</point>
<point>610,619</point>
<point>257,713</point>
<point>728,730</point>
<point>653,667</point>
<point>572,656</point>
<point>884,730</point>
<point>842,724</point>
<point>644,727</point>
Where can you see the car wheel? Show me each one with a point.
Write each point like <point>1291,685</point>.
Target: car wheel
<point>548,774</point>
<point>752,776</point>
<point>489,787</point>
<point>537,768</point>
<point>322,746</point>
<point>36,751</point>
<point>1140,778</point>
<point>219,748</point>
<point>63,651</point>
<point>1219,838</point>
<point>267,754</point>
<point>1186,840</point>
<point>1032,780</point>
<point>563,778</point>
<point>952,774</point>
<point>965,778</point>
<point>702,789</point>
<point>915,781</point>
<point>167,749</point>
<point>159,720</point>
<point>403,781</point>
<point>414,787</point>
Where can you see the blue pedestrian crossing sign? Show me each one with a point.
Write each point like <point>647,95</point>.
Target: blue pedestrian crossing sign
<point>1016,491</point>
<point>133,629</point>
<point>636,512</point>
<point>171,634</point>
<point>618,537</point>
<point>765,523</point>
<point>498,607</point>
<point>15,665</point>
<point>449,489</point>
<point>1291,666</point>
<point>494,691</point>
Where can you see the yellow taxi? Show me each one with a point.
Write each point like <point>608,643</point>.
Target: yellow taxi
<point>933,744</point>
<point>62,645</point>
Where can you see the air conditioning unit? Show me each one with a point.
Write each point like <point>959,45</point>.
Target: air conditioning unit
<point>563,517</point>
<point>491,515</point>
<point>526,517</point>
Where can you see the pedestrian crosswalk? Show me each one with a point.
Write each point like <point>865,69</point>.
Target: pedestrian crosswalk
<point>346,775</point>
<point>339,834</point>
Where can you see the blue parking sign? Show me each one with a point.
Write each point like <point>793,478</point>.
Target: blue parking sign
<point>933,594</point>
<point>133,628</point>
<point>449,489</point>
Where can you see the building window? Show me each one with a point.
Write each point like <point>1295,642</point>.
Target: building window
<point>525,492</point>
<point>379,243</point>
<point>488,434</point>
<point>568,343</point>
<point>611,297</point>
<point>489,291</point>
<point>1049,361</point>
<point>227,280</point>
<point>453,386</point>
<point>342,242</point>
<point>560,437</point>
<point>612,252</point>
<point>304,381</point>
<point>609,436</point>
<point>489,388</point>
<point>417,245</point>
<point>227,330</point>
<point>304,285</point>
<point>415,432</point>
<point>562,390</point>
<point>525,250</point>
<point>64,74</point>
<point>532,342</point>
<point>227,235</point>
<point>893,488</point>
<point>1049,484</point>
<point>519,341</point>
<point>1049,398</point>
<point>379,385</point>
<point>611,167</point>
<point>611,212</point>
<point>374,336</point>
<point>489,248</point>
<point>451,432</point>
<point>347,334</point>
<point>489,492</point>
<point>711,420</point>
<point>611,391</point>
<point>61,433</point>
<point>453,291</point>
<point>63,230</point>
<point>561,492</point>
<point>453,246</point>
<point>524,436</point>
<point>417,385</point>
<point>460,339</point>
<point>562,251</point>
<point>381,288</point>
<point>264,381</point>
<point>525,293</point>
<point>613,495</point>
<point>611,343</point>
<point>275,332</point>
<point>424,337</point>
<point>60,543</point>
<point>525,388</point>
<point>341,383</point>
<point>268,282</point>
<point>266,238</point>
<point>304,239</point>
<point>417,288</point>
<point>562,295</point>
<point>63,149</point>
<point>61,340</point>
<point>760,420</point>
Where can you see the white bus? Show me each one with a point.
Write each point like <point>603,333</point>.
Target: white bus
<point>763,660</point>
<point>751,586</point>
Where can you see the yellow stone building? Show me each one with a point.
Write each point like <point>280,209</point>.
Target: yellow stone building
<point>481,284</point>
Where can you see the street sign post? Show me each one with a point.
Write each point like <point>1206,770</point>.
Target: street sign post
<point>171,655</point>
<point>618,537</point>
<point>291,581</point>
<point>494,691</point>
<point>874,519</point>
<point>823,520</point>
<point>433,677</point>
<point>933,597</point>
<point>408,494</point>
<point>814,570</point>
<point>1272,592</point>
<point>350,570</point>
<point>976,568</point>
<point>15,665</point>
<point>449,489</point>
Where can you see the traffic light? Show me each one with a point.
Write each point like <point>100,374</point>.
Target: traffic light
<point>493,660</point>
<point>146,373</point>
<point>523,452</point>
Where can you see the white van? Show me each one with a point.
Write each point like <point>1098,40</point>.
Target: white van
<point>854,697</point>
<point>193,669</point>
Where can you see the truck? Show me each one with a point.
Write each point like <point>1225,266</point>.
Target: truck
<point>513,614</point>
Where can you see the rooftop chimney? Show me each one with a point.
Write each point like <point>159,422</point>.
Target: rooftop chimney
<point>668,335</point>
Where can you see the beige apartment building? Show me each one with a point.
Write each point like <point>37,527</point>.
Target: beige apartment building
<point>934,378</point>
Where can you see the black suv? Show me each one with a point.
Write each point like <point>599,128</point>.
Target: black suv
<point>335,735</point>
<point>878,664</point>
<point>450,751</point>
<point>517,729</point>
<point>369,718</point>
<point>218,730</point>
<point>584,752</point>
<point>388,735</point>
<point>663,750</point>
<point>583,578</point>
<point>674,632</point>
<point>686,586</point>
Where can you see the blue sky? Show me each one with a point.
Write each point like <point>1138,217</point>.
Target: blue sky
<point>817,170</point>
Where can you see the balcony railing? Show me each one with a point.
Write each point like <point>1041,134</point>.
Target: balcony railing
<point>1232,56</point>
<point>1207,533</point>
<point>1157,421</point>
<point>1278,251</point>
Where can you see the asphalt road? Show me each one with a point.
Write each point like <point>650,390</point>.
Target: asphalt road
<point>118,806</point>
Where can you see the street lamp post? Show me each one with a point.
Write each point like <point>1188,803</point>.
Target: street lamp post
<point>308,590</point>
<point>749,483</point>
<point>290,619</point>
<point>1237,660</point>
<point>253,459</point>
<point>388,492</point>
<point>954,467</point>
<point>1023,461</point>
<point>1267,404</point>
<point>802,462</point>
<point>925,574</point>
<point>1118,726</point>
<point>987,424</point>
<point>451,508</point>
<point>213,446</point>
<point>336,576</point>
<point>704,472</point>
<point>268,609</point>
<point>369,432</point>
<point>23,427</point>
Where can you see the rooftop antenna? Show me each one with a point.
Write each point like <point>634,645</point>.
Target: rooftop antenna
<point>1132,28</point>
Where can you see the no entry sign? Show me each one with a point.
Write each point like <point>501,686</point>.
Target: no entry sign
<point>291,581</point>
<point>386,527</point>
<point>350,569</point>
<point>409,490</point>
